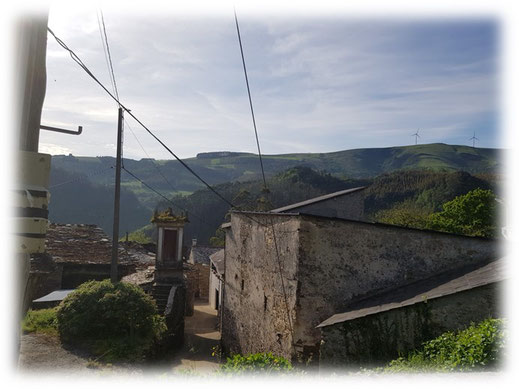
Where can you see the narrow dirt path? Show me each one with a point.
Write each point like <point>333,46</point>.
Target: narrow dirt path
<point>200,338</point>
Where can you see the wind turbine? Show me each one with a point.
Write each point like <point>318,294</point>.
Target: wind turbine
<point>416,136</point>
<point>474,139</point>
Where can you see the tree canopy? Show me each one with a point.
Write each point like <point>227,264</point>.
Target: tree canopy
<point>472,214</point>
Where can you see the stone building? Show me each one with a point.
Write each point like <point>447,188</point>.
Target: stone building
<point>200,262</point>
<point>80,253</point>
<point>216,279</point>
<point>380,328</point>
<point>280,287</point>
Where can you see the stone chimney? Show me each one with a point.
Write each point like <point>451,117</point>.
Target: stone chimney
<point>193,242</point>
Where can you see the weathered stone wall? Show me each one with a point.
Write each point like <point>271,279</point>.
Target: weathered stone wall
<point>74,274</point>
<point>342,260</point>
<point>254,311</point>
<point>203,280</point>
<point>199,279</point>
<point>350,206</point>
<point>191,281</point>
<point>327,264</point>
<point>377,339</point>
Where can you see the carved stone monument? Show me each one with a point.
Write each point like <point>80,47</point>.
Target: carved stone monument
<point>169,288</point>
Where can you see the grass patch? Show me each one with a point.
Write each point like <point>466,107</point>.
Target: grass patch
<point>262,363</point>
<point>41,321</point>
<point>479,347</point>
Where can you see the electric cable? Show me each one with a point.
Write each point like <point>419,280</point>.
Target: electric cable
<point>250,100</point>
<point>82,177</point>
<point>264,181</point>
<point>187,167</point>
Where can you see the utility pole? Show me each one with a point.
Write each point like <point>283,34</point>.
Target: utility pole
<point>117,198</point>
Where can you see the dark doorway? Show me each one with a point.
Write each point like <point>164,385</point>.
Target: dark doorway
<point>169,246</point>
<point>216,299</point>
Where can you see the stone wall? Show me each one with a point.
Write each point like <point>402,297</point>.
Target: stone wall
<point>326,263</point>
<point>203,280</point>
<point>377,339</point>
<point>341,261</point>
<point>191,279</point>
<point>254,310</point>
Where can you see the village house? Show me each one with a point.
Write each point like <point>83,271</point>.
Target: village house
<point>382,327</point>
<point>286,273</point>
<point>216,279</point>
<point>76,253</point>
<point>200,262</point>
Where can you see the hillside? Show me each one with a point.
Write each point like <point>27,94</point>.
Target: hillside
<point>74,199</point>
<point>88,198</point>
<point>427,189</point>
<point>221,167</point>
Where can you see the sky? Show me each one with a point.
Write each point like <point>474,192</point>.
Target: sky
<point>319,83</point>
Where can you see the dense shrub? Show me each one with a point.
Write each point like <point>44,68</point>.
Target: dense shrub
<point>478,347</point>
<point>118,320</point>
<point>472,214</point>
<point>41,320</point>
<point>264,363</point>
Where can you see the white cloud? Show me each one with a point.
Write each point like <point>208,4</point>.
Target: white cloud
<point>314,82</point>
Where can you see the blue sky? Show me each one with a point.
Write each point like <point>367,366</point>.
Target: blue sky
<point>319,83</point>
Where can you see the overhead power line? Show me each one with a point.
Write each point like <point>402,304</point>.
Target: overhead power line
<point>163,196</point>
<point>108,55</point>
<point>250,100</point>
<point>278,258</point>
<point>78,60</point>
<point>187,167</point>
<point>82,177</point>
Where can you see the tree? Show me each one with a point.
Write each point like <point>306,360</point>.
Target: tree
<point>405,214</point>
<point>473,214</point>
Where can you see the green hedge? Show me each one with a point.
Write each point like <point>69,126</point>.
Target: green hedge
<point>117,320</point>
<point>479,347</point>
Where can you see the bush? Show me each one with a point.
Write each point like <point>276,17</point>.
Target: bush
<point>118,320</point>
<point>473,214</point>
<point>41,320</point>
<point>265,363</point>
<point>478,347</point>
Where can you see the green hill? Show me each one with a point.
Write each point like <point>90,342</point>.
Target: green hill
<point>221,167</point>
<point>425,189</point>
<point>423,173</point>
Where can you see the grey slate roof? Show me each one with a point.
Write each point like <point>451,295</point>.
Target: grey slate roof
<point>200,254</point>
<point>57,295</point>
<point>217,259</point>
<point>292,207</point>
<point>317,199</point>
<point>437,286</point>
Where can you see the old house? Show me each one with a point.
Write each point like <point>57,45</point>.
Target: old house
<point>216,279</point>
<point>80,253</point>
<point>285,273</point>
<point>379,328</point>
<point>200,262</point>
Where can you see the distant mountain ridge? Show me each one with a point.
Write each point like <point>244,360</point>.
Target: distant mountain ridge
<point>225,166</point>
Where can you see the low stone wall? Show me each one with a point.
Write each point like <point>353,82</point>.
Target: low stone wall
<point>377,339</point>
<point>74,274</point>
<point>203,281</point>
